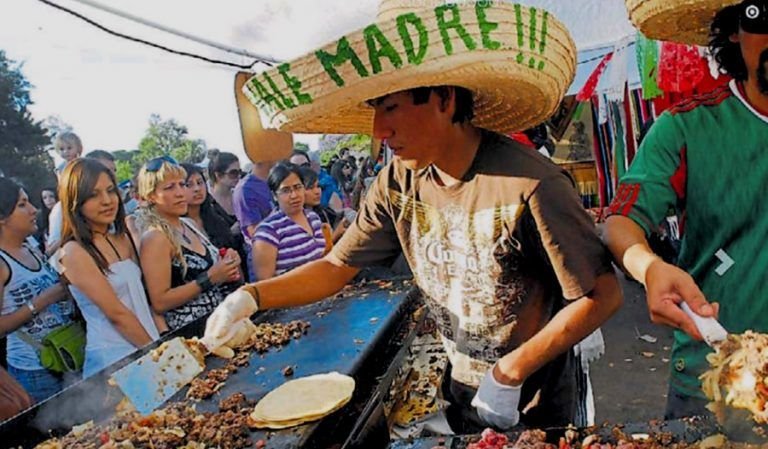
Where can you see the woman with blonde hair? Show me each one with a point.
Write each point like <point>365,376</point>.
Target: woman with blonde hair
<point>185,275</point>
<point>100,262</point>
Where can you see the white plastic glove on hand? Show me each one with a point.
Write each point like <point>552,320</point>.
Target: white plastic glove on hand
<point>220,326</point>
<point>497,403</point>
<point>239,335</point>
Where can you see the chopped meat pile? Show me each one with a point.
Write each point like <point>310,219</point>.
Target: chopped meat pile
<point>234,402</point>
<point>264,337</point>
<point>738,375</point>
<point>490,440</point>
<point>269,336</point>
<point>176,426</point>
<point>537,439</point>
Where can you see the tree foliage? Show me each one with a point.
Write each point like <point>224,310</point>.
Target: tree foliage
<point>23,140</point>
<point>331,144</point>
<point>169,138</point>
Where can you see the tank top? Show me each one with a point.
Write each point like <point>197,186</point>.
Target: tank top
<point>25,284</point>
<point>205,302</point>
<point>104,343</point>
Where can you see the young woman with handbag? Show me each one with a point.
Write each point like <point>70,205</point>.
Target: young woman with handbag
<point>32,300</point>
<point>101,265</point>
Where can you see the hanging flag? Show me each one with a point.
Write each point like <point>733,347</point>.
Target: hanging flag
<point>681,67</point>
<point>590,86</point>
<point>616,78</point>
<point>648,63</point>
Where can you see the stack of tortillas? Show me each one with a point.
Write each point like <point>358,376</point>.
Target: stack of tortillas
<point>302,400</point>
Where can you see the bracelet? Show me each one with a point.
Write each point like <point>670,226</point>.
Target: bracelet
<point>256,298</point>
<point>203,281</point>
<point>32,308</point>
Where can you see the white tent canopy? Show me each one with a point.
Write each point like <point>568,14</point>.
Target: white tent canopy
<point>81,73</point>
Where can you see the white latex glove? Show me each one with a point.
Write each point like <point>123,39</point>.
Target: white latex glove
<point>239,335</point>
<point>497,403</point>
<point>220,326</point>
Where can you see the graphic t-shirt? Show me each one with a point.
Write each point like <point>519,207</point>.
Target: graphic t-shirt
<point>707,157</point>
<point>495,254</point>
<point>25,284</point>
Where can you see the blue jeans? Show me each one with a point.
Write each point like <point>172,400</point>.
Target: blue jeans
<point>40,384</point>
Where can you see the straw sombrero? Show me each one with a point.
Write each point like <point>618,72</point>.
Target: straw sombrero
<point>683,21</point>
<point>517,60</point>
<point>261,145</point>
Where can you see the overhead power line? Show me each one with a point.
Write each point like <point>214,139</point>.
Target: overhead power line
<point>176,32</point>
<point>258,59</point>
<point>155,25</point>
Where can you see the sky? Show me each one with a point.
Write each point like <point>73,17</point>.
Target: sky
<point>106,87</point>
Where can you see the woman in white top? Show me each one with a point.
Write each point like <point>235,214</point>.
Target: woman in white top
<point>100,262</point>
<point>32,300</point>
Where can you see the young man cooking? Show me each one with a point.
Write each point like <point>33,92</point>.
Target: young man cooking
<point>707,158</point>
<point>509,262</point>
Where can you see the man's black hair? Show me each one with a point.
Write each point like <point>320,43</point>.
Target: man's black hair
<point>465,108</point>
<point>297,152</point>
<point>101,154</point>
<point>727,54</point>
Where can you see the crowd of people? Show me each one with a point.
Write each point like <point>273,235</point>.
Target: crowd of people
<point>124,263</point>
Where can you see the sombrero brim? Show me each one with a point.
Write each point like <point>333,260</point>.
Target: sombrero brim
<point>261,145</point>
<point>517,60</point>
<point>682,21</point>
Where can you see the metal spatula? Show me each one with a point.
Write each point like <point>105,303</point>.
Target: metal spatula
<point>155,377</point>
<point>712,331</point>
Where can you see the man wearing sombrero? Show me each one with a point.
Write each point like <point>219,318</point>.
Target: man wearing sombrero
<point>509,262</point>
<point>707,158</point>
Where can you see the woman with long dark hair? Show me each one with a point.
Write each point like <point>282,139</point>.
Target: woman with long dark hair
<point>101,264</point>
<point>341,172</point>
<point>48,199</point>
<point>224,171</point>
<point>336,223</point>
<point>32,301</point>
<point>207,217</point>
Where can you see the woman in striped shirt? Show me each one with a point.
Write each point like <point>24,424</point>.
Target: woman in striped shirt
<point>291,235</point>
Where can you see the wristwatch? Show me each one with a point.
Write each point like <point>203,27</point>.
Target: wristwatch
<point>32,308</point>
<point>203,281</point>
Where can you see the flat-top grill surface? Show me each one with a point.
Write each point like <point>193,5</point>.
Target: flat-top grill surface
<point>348,334</point>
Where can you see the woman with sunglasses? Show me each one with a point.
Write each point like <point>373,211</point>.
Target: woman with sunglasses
<point>182,268</point>
<point>207,217</point>
<point>224,171</point>
<point>290,236</point>
<point>101,264</point>
<point>32,301</point>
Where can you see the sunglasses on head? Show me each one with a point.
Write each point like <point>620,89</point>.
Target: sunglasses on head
<point>754,16</point>
<point>234,173</point>
<point>154,165</point>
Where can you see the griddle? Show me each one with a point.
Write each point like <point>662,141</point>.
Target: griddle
<point>687,430</point>
<point>358,332</point>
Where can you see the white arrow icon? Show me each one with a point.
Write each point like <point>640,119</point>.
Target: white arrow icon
<point>725,262</point>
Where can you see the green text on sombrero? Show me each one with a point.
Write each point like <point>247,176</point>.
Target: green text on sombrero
<point>459,29</point>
